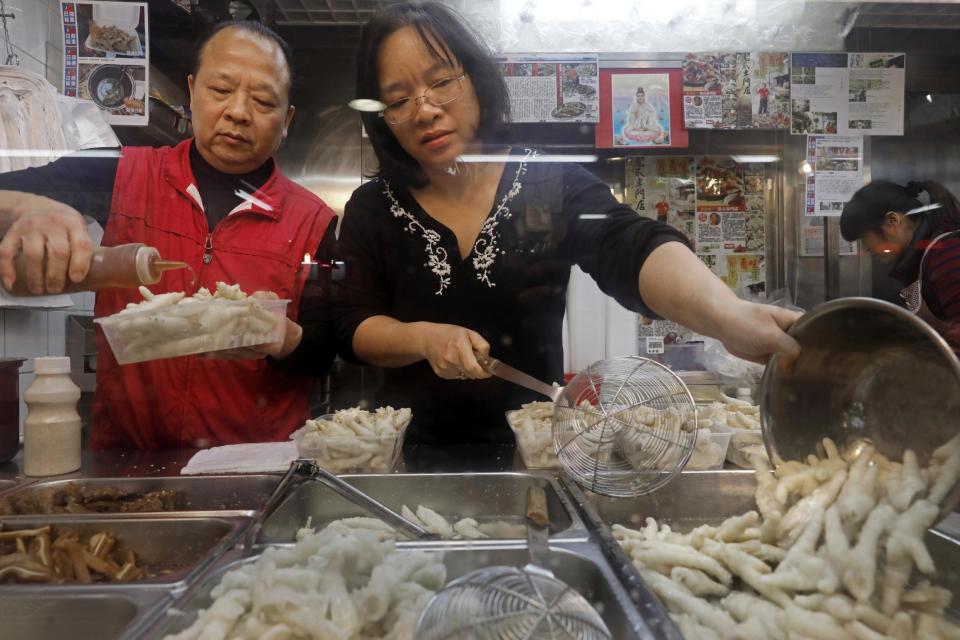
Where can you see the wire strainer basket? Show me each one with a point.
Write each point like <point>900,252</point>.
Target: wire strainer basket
<point>624,427</point>
<point>507,603</point>
<point>511,603</point>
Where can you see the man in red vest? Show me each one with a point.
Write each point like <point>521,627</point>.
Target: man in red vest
<point>217,202</point>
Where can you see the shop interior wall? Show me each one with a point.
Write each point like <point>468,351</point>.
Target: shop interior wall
<point>36,39</point>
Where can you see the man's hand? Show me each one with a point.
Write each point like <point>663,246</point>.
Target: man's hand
<point>53,239</point>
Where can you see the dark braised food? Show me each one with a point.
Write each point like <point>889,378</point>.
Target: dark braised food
<point>78,499</point>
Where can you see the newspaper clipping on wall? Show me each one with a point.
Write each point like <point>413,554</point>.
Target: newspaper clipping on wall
<point>717,203</point>
<point>876,94</point>
<point>106,57</point>
<point>545,88</point>
<point>844,94</point>
<point>836,164</point>
<point>736,90</point>
<point>812,241</point>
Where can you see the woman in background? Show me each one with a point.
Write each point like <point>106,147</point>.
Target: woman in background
<point>920,242</point>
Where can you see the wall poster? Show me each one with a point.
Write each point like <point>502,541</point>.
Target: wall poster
<point>107,57</point>
<point>640,108</point>
<point>717,203</point>
<point>844,94</point>
<point>736,90</point>
<point>552,88</point>
<point>837,173</point>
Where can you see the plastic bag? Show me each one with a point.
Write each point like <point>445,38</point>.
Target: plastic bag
<point>84,125</point>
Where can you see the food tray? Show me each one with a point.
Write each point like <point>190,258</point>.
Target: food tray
<point>190,328</point>
<point>211,493</point>
<point>710,497</point>
<point>580,565</point>
<point>38,614</point>
<point>486,497</point>
<point>176,545</point>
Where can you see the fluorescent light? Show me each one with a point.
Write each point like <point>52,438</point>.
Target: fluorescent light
<point>593,216</point>
<point>929,207</point>
<point>759,158</point>
<point>542,158</point>
<point>58,153</point>
<point>367,105</point>
<point>249,197</point>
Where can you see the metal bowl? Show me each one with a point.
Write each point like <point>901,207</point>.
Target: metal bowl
<point>867,370</point>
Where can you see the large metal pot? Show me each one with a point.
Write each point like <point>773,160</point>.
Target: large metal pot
<point>9,408</point>
<point>867,369</point>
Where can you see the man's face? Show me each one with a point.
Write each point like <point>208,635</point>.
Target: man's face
<point>240,99</point>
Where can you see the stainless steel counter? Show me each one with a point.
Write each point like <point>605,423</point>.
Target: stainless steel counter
<point>107,464</point>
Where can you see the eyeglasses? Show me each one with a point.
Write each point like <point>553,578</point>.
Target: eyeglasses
<point>438,94</point>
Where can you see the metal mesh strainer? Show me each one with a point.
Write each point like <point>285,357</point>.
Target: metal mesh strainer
<point>623,427</point>
<point>507,603</point>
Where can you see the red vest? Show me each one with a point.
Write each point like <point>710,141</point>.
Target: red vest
<point>192,402</point>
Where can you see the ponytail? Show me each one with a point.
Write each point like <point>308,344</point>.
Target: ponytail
<point>947,217</point>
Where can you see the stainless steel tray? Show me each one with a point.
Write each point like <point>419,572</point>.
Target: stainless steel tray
<point>709,497</point>
<point>178,545</point>
<point>691,499</point>
<point>200,493</point>
<point>579,564</point>
<point>486,497</point>
<point>42,615</point>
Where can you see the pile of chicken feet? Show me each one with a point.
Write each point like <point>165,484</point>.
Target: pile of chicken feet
<point>828,554</point>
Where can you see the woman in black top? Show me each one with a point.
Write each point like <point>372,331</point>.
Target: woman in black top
<point>463,244</point>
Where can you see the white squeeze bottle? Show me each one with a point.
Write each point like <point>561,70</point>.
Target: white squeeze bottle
<point>51,432</point>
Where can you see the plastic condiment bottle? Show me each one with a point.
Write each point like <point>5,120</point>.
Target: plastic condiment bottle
<point>125,266</point>
<point>51,432</point>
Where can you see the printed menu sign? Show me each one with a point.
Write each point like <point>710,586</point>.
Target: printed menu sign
<point>843,94</point>
<point>106,57</point>
<point>561,88</point>
<point>736,90</point>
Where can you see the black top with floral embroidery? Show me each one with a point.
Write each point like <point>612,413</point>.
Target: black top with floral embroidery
<point>511,289</point>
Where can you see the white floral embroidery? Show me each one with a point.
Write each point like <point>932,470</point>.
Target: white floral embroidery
<point>485,249</point>
<point>436,255</point>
